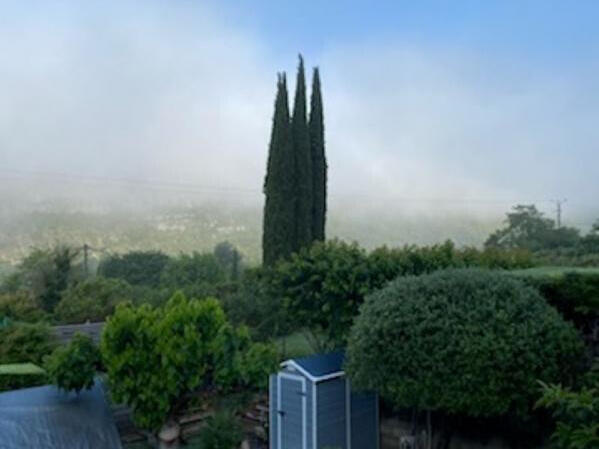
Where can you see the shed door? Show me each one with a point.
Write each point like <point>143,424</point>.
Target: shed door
<point>291,391</point>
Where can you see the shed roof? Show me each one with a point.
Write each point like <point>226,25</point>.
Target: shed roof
<point>319,366</point>
<point>49,418</point>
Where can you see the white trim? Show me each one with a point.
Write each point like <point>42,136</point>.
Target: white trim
<point>271,411</point>
<point>292,364</point>
<point>314,422</point>
<point>302,380</point>
<point>347,414</point>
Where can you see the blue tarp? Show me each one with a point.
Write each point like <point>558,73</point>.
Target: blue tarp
<point>45,417</point>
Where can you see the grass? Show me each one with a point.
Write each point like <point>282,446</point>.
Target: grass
<point>555,271</point>
<point>20,369</point>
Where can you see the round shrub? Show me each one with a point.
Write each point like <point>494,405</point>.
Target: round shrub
<point>463,341</point>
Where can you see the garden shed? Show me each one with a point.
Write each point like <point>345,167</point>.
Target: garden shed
<point>312,406</point>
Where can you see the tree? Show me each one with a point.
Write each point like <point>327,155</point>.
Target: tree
<point>136,267</point>
<point>73,367</point>
<point>20,306</point>
<point>527,228</point>
<point>300,135</point>
<point>44,274</point>
<point>197,275</point>
<point>279,208</point>
<point>576,412</point>
<point>92,300</point>
<point>319,163</point>
<point>157,359</point>
<point>22,343</point>
<point>229,258</point>
<point>461,341</point>
<point>322,288</point>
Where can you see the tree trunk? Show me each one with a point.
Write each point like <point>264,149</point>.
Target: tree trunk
<point>429,430</point>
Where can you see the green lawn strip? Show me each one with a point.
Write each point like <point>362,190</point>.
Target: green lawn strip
<point>20,369</point>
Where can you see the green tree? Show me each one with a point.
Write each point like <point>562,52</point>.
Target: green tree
<point>136,267</point>
<point>322,288</point>
<point>156,359</point>
<point>527,228</point>
<point>196,274</point>
<point>461,341</point>
<point>22,343</point>
<point>300,135</point>
<point>73,367</point>
<point>92,300</point>
<point>279,208</point>
<point>576,412</point>
<point>229,258</point>
<point>319,163</point>
<point>20,306</point>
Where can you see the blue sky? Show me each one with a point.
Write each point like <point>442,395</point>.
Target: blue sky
<point>493,101</point>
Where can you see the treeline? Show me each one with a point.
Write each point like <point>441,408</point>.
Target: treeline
<point>528,229</point>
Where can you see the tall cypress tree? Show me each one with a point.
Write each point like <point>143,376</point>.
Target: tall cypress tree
<point>319,162</point>
<point>279,209</point>
<point>303,163</point>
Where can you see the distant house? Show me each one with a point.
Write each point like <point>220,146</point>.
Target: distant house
<point>312,406</point>
<point>44,417</point>
<point>65,333</point>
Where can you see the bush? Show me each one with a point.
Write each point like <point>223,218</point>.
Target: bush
<point>576,412</point>
<point>462,341</point>
<point>222,431</point>
<point>20,306</point>
<point>73,367</point>
<point>91,300</point>
<point>197,275</point>
<point>156,359</point>
<point>136,267</point>
<point>22,343</point>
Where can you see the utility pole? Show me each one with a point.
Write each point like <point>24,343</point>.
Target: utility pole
<point>558,211</point>
<point>85,264</point>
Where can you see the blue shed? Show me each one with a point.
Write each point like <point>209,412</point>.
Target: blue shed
<point>312,406</point>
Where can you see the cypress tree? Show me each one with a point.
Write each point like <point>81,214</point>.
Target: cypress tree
<point>279,209</point>
<point>319,162</point>
<point>303,163</point>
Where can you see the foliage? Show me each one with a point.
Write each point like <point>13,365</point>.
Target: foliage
<point>279,207</point>
<point>527,228</point>
<point>21,343</point>
<point>136,267</point>
<point>197,275</point>
<point>222,431</point>
<point>319,163</point>
<point>302,175</point>
<point>238,360</point>
<point>254,305</point>
<point>20,306</point>
<point>229,258</point>
<point>44,274</point>
<point>576,412</point>
<point>462,341</point>
<point>73,367</point>
<point>156,358</point>
<point>91,300</point>
<point>323,286</point>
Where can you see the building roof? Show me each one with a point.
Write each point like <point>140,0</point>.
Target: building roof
<point>49,418</point>
<point>319,367</point>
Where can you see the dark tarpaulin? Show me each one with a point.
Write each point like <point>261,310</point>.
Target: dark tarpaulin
<point>45,417</point>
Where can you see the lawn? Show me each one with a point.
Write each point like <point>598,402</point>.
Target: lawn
<point>555,271</point>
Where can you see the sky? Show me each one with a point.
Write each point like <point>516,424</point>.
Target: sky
<point>454,104</point>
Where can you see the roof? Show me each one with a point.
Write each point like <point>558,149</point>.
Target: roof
<point>319,367</point>
<point>65,333</point>
<point>49,418</point>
